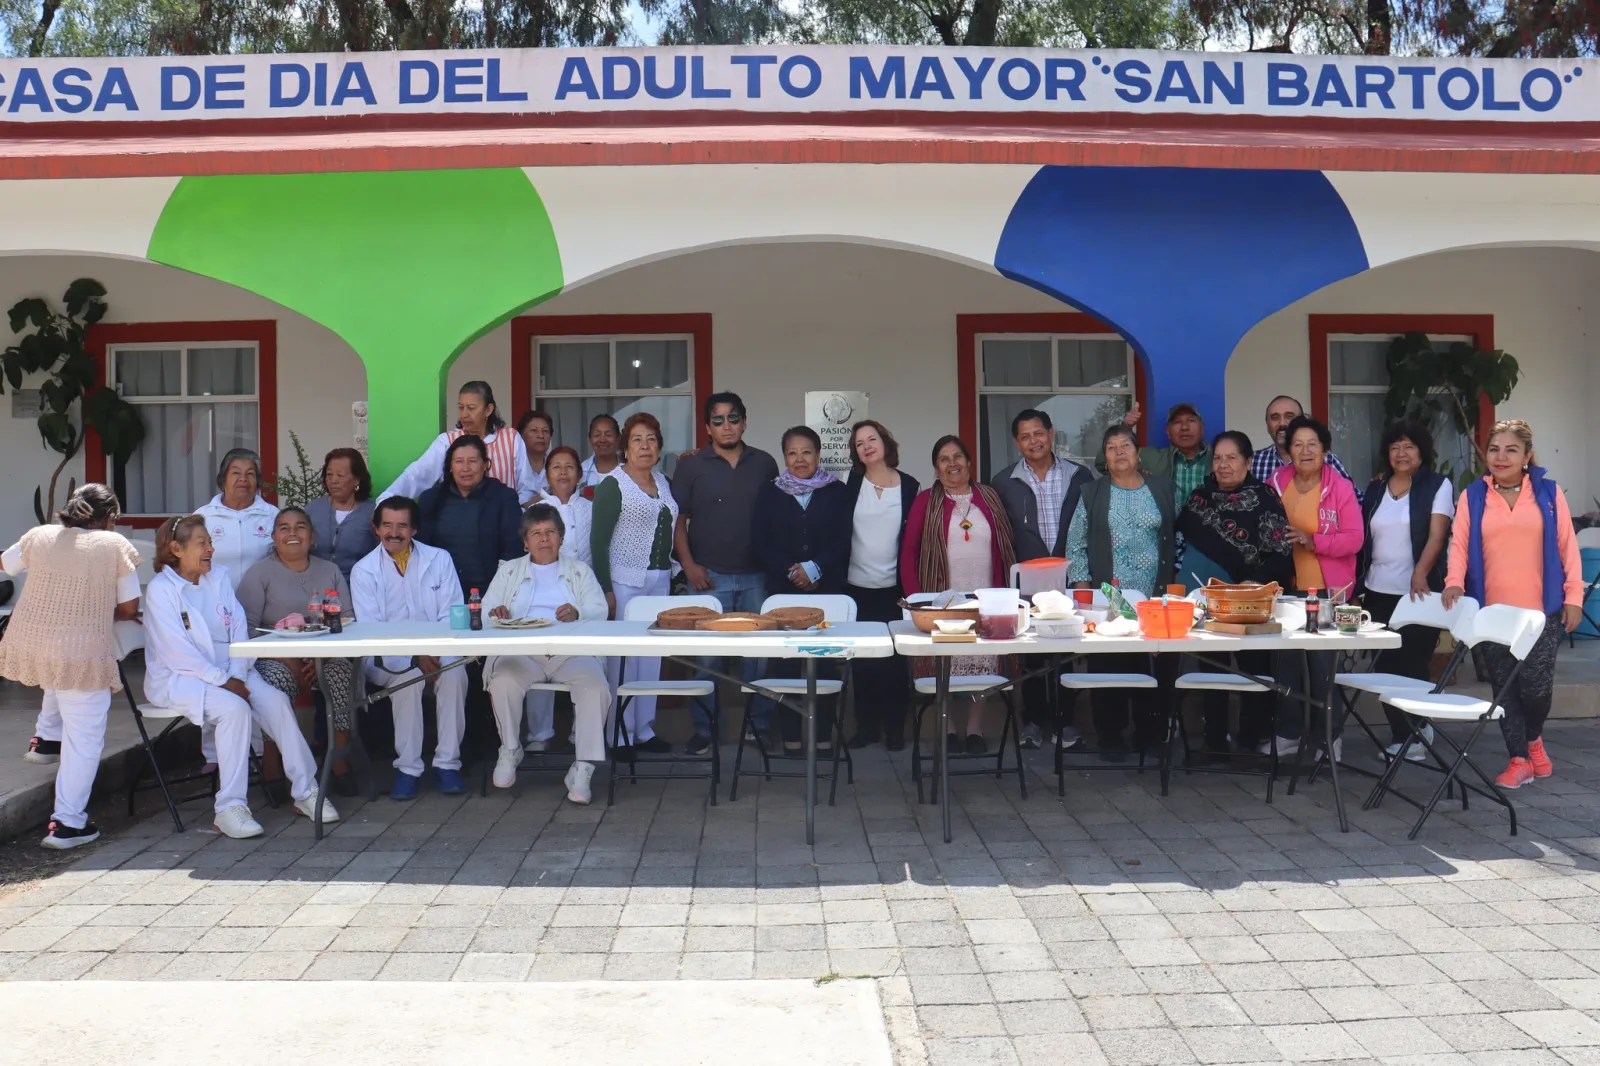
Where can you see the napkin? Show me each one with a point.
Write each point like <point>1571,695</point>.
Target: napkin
<point>1118,627</point>
<point>1052,603</point>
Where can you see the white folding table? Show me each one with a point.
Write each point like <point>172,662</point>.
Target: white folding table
<point>843,640</point>
<point>1210,648</point>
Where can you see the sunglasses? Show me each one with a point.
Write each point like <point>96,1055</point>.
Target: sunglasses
<point>732,420</point>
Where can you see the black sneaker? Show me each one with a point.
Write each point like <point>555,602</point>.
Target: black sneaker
<point>43,751</point>
<point>654,746</point>
<point>975,745</point>
<point>698,744</point>
<point>61,837</point>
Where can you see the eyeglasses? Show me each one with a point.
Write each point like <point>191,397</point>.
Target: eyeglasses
<point>732,420</point>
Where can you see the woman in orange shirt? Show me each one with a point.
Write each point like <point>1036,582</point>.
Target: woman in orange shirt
<point>1515,545</point>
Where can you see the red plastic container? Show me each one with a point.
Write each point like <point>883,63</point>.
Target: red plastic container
<point>1165,621</point>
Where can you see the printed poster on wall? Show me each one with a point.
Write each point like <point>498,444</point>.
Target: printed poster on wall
<point>832,414</point>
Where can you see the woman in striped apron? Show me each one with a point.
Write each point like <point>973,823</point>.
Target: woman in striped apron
<point>479,415</point>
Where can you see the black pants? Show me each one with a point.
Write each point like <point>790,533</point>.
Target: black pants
<point>1410,659</point>
<point>1290,668</point>
<point>1110,705</point>
<point>1255,708</point>
<point>1527,703</point>
<point>880,684</point>
<point>791,724</point>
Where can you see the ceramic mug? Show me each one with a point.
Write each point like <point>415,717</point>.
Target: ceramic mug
<point>460,617</point>
<point>1349,618</point>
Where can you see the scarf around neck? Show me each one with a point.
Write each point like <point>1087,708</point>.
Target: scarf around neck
<point>1235,528</point>
<point>796,486</point>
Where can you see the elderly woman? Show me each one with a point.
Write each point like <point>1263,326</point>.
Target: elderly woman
<point>1326,530</point>
<point>1406,513</point>
<point>1513,543</point>
<point>631,544</point>
<point>881,500</point>
<point>546,583</point>
<point>957,536</point>
<point>471,516</point>
<point>341,521</point>
<point>477,415</point>
<point>284,584</point>
<point>238,520</point>
<point>1122,532</point>
<point>1234,530</point>
<point>191,617</point>
<point>800,537</point>
<point>82,576</point>
<point>605,437</point>
<point>536,428</point>
<point>563,471</point>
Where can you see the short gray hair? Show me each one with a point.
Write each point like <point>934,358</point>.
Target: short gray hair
<point>232,456</point>
<point>543,512</point>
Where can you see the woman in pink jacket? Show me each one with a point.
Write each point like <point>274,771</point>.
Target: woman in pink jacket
<point>1326,528</point>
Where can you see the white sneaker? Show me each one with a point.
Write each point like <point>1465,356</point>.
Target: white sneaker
<point>536,745</point>
<point>578,782</point>
<point>307,805</point>
<point>236,822</point>
<point>1416,752</point>
<point>1338,750</point>
<point>505,768</point>
<point>1285,747</point>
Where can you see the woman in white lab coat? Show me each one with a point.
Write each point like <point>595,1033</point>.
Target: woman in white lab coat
<point>477,415</point>
<point>238,520</point>
<point>191,616</point>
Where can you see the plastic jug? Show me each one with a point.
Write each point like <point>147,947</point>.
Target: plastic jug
<point>1001,615</point>
<point>1039,575</point>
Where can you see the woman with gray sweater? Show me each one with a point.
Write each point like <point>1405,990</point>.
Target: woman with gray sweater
<point>342,520</point>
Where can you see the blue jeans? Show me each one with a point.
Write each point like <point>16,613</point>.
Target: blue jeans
<point>737,592</point>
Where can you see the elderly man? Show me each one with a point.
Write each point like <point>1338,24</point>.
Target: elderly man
<point>1040,492</point>
<point>1185,458</point>
<point>558,588</point>
<point>405,580</point>
<point>1280,412</point>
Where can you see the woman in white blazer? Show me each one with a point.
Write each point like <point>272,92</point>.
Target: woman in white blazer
<point>191,616</point>
<point>547,584</point>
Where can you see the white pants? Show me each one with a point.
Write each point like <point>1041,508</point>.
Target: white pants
<point>591,697</point>
<point>450,716</point>
<point>232,721</point>
<point>640,718</point>
<point>78,719</point>
<point>540,708</point>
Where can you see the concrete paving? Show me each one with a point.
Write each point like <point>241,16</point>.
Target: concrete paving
<point>666,1023</point>
<point>1115,927</point>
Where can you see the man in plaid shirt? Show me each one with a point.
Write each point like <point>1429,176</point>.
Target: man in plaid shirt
<point>1280,412</point>
<point>1186,458</point>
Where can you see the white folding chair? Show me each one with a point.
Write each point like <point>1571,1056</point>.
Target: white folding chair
<point>1516,628</point>
<point>697,690</point>
<point>1091,680</point>
<point>835,609</point>
<point>1427,611</point>
<point>1589,537</point>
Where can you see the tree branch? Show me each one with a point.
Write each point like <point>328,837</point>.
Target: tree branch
<point>46,16</point>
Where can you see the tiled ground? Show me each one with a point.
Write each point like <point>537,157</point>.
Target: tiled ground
<point>1112,927</point>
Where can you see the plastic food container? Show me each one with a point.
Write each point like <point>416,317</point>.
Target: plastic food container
<point>1165,621</point>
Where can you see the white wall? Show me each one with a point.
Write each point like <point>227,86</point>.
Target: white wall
<point>1540,299</point>
<point>319,376</point>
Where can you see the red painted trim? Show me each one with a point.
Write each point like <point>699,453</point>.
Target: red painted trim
<point>968,327</point>
<point>264,332</point>
<point>526,327</point>
<point>1478,327</point>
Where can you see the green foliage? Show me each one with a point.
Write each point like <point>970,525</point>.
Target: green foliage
<point>1430,385</point>
<point>55,347</point>
<point>297,487</point>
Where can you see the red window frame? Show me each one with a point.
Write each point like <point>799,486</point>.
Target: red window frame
<point>970,327</point>
<point>1321,327</point>
<point>526,327</point>
<point>262,332</point>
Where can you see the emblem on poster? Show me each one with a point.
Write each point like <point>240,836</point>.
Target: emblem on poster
<point>832,414</point>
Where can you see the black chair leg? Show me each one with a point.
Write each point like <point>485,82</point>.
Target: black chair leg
<point>1016,744</point>
<point>916,746</point>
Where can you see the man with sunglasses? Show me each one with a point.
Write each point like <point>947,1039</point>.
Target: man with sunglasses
<point>716,489</point>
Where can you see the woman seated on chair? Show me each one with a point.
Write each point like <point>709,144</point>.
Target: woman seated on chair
<point>801,539</point>
<point>548,585</point>
<point>81,577</point>
<point>470,515</point>
<point>958,537</point>
<point>191,616</point>
<point>283,585</point>
<point>1122,531</point>
<point>562,472</point>
<point>1234,530</point>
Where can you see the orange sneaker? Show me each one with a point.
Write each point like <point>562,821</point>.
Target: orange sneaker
<point>1517,774</point>
<point>1542,766</point>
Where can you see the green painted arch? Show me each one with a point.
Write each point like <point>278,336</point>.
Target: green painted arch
<point>409,267</point>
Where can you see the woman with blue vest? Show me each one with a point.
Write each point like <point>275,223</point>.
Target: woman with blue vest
<point>1406,511</point>
<point>1513,543</point>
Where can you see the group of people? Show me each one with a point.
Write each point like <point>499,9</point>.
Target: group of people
<point>536,531</point>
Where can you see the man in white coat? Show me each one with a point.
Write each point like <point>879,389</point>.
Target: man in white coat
<point>547,585</point>
<point>402,580</point>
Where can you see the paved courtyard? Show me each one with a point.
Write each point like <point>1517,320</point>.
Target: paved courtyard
<point>1113,926</point>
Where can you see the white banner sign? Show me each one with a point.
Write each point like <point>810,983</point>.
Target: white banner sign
<point>835,78</point>
<point>832,414</point>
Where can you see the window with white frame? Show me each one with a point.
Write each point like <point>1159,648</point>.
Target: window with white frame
<point>196,401</point>
<point>1084,383</point>
<point>577,378</point>
<point>1358,379</point>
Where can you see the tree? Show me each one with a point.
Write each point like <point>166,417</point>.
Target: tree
<point>1014,23</point>
<point>720,21</point>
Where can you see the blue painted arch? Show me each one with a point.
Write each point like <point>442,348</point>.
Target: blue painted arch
<point>1182,262</point>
